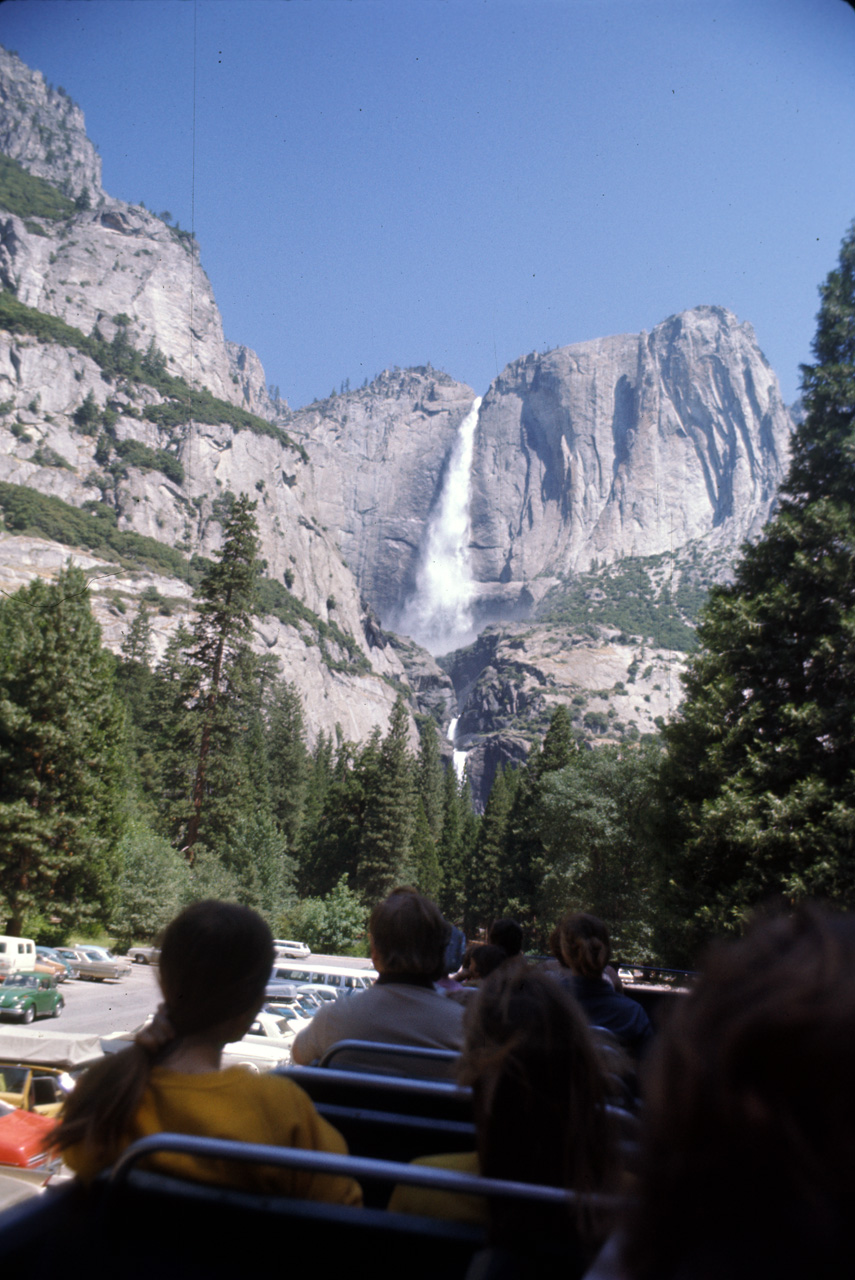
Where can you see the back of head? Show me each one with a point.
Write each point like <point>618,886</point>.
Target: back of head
<point>507,934</point>
<point>487,958</point>
<point>215,960</point>
<point>409,935</point>
<point>749,1112</point>
<point>538,1083</point>
<point>584,944</point>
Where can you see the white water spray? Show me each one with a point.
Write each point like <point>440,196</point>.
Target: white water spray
<point>458,757</point>
<point>438,614</point>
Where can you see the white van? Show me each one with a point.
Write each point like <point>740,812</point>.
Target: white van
<point>16,954</point>
<point>346,977</point>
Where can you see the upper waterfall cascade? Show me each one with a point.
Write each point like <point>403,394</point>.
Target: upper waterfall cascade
<point>438,615</point>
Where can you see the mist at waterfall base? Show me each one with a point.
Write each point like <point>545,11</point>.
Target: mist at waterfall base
<point>438,615</point>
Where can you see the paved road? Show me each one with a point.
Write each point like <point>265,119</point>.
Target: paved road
<point>97,1008</point>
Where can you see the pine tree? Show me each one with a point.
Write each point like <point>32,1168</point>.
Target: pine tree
<point>222,658</point>
<point>426,871</point>
<point>429,776</point>
<point>288,760</point>
<point>488,886</point>
<point>762,759</point>
<point>384,857</point>
<point>61,756</point>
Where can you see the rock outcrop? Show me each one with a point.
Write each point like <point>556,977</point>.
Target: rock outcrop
<point>625,446</point>
<point>44,131</point>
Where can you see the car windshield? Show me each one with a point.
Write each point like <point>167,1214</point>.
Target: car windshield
<point>21,980</point>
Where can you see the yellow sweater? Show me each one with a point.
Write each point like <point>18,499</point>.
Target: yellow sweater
<point>237,1104</point>
<point>443,1204</point>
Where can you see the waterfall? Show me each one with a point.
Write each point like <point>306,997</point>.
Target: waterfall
<point>438,614</point>
<point>458,758</point>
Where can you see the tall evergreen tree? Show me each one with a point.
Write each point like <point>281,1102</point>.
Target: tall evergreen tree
<point>384,857</point>
<point>525,848</point>
<point>762,757</point>
<point>429,776</point>
<point>488,884</point>
<point>452,848</point>
<point>288,760</point>
<point>221,655</point>
<point>61,756</point>
<point>426,872</point>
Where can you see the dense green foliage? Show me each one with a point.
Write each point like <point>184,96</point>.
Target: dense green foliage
<point>60,756</point>
<point>762,758</point>
<point>27,196</point>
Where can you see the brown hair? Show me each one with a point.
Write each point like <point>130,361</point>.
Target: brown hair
<point>215,961</point>
<point>410,935</point>
<point>584,944</point>
<point>750,1123</point>
<point>540,1093</point>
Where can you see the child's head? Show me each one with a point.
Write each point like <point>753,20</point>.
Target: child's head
<point>215,962</point>
<point>538,1082</point>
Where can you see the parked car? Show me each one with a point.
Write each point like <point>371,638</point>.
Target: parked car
<point>144,955</point>
<point>322,973</point>
<point>25,996</point>
<point>286,949</point>
<point>98,964</point>
<point>47,961</point>
<point>69,955</point>
<point>36,1071</point>
<point>16,954</point>
<point>266,1045</point>
<point>293,1013</point>
<point>24,1138</point>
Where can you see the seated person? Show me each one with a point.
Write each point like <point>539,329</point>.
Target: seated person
<point>585,949</point>
<point>539,1094</point>
<point>508,935</point>
<point>748,1148</point>
<point>214,964</point>
<point>408,940</point>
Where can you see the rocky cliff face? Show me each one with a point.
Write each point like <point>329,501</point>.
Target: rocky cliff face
<point>44,130</point>
<point>626,446</point>
<point>671,443</point>
<point>378,460</point>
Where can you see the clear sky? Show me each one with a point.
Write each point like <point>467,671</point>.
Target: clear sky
<point>391,182</point>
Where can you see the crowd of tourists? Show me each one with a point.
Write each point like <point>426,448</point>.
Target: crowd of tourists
<point>745,1165</point>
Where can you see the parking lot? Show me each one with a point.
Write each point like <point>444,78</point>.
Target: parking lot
<point>97,1008</point>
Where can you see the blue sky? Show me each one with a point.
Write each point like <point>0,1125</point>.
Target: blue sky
<point>390,182</point>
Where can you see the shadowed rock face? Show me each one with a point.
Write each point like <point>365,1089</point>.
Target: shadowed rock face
<point>630,445</point>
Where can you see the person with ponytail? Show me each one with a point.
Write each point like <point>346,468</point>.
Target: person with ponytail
<point>215,961</point>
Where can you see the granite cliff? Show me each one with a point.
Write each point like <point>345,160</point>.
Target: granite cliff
<point>121,397</point>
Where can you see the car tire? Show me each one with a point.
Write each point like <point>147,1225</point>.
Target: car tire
<point>60,1005</point>
<point>139,960</point>
<point>28,1014</point>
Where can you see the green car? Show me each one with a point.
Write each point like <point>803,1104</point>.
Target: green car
<point>30,995</point>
